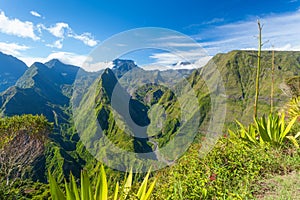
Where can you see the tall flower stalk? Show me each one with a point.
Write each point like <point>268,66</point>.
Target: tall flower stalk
<point>258,69</point>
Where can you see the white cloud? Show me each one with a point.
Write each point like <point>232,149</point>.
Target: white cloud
<point>169,58</point>
<point>93,67</point>
<point>181,44</point>
<point>213,21</point>
<point>65,57</point>
<point>57,44</point>
<point>12,48</point>
<point>62,31</point>
<point>153,66</point>
<point>281,31</point>
<point>59,29</point>
<point>17,27</point>
<point>68,58</point>
<point>40,27</point>
<point>177,49</point>
<point>171,38</point>
<point>202,61</point>
<point>36,14</point>
<point>86,38</point>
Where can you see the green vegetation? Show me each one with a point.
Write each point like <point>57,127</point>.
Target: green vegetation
<point>230,171</point>
<point>22,143</point>
<point>99,189</point>
<point>293,107</point>
<point>271,131</point>
<point>25,190</point>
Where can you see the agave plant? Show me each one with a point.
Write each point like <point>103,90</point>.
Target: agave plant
<point>100,192</point>
<point>293,107</point>
<point>268,131</point>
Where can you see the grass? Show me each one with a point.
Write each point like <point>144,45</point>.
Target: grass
<point>280,187</point>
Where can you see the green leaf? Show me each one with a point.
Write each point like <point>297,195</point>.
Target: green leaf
<point>288,128</point>
<point>55,191</point>
<point>98,187</point>
<point>293,140</point>
<point>142,190</point>
<point>148,194</point>
<point>74,187</point>
<point>103,186</point>
<point>269,130</point>
<point>297,135</point>
<point>262,132</point>
<point>69,191</point>
<point>282,123</point>
<point>128,184</point>
<point>232,134</point>
<point>85,185</point>
<point>116,191</point>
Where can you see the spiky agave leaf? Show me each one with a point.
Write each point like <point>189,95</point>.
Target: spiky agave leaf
<point>55,191</point>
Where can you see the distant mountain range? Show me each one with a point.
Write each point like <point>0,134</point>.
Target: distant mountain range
<point>42,89</point>
<point>47,88</point>
<point>11,69</point>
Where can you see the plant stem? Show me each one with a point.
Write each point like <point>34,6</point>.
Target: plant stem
<point>272,85</point>
<point>258,69</point>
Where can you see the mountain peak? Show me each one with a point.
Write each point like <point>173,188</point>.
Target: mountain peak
<point>120,63</point>
<point>37,65</point>
<point>123,66</point>
<point>53,62</point>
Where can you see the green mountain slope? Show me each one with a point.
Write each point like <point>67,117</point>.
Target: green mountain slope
<point>43,89</point>
<point>238,70</point>
<point>125,105</point>
<point>46,89</point>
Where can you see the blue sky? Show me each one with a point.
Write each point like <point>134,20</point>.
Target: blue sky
<point>38,30</point>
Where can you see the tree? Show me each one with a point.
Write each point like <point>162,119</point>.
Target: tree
<point>23,139</point>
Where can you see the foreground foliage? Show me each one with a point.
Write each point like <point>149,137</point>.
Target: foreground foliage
<point>293,108</point>
<point>230,171</point>
<point>24,190</point>
<point>99,190</point>
<point>271,131</point>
